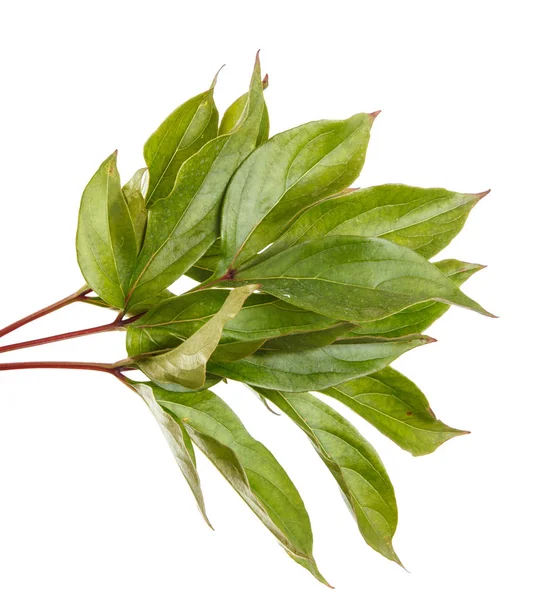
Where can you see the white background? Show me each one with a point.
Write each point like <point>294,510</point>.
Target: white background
<point>92,504</point>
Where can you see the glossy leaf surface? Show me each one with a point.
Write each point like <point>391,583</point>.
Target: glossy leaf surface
<point>133,193</point>
<point>288,173</point>
<point>317,368</point>
<point>397,407</point>
<point>423,219</point>
<point>419,317</point>
<point>248,466</point>
<point>354,278</point>
<point>178,137</point>
<point>182,226</point>
<point>179,442</point>
<point>185,364</point>
<point>106,240</point>
<point>353,462</point>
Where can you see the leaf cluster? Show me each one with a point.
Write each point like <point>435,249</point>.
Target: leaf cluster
<point>304,284</point>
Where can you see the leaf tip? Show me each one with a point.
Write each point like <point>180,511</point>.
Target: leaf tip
<point>372,116</point>
<point>265,81</point>
<point>481,195</point>
<point>214,82</point>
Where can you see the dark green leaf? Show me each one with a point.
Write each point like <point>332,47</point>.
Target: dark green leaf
<point>185,364</point>
<point>353,278</point>
<point>106,241</point>
<point>182,226</point>
<point>423,219</point>
<point>133,193</point>
<point>317,368</point>
<point>206,265</point>
<point>284,176</point>
<point>419,317</point>
<point>395,406</point>
<point>233,116</point>
<point>248,466</point>
<point>180,136</point>
<point>353,462</point>
<point>305,341</point>
<point>179,442</point>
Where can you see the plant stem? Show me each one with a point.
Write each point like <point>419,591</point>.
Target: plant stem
<point>118,323</point>
<point>82,366</point>
<point>75,297</point>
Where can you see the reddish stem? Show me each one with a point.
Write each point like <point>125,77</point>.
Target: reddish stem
<point>83,366</point>
<point>118,323</point>
<point>76,297</point>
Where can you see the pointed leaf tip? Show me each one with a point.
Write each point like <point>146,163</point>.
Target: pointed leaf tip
<point>214,82</point>
<point>373,115</point>
<point>482,194</point>
<point>265,81</point>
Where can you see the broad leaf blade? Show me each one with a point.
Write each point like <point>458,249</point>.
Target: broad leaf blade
<point>182,226</point>
<point>233,116</point>
<point>179,442</point>
<point>133,193</point>
<point>284,176</point>
<point>318,368</point>
<point>423,219</point>
<point>180,136</point>
<point>419,317</point>
<point>354,278</point>
<point>353,462</point>
<point>185,364</point>
<point>106,241</point>
<point>248,466</point>
<point>397,407</point>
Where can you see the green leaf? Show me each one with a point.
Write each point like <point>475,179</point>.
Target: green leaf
<point>397,408</point>
<point>185,364</point>
<point>288,173</point>
<point>182,226</point>
<point>206,265</point>
<point>136,205</point>
<point>233,116</point>
<point>305,341</point>
<point>171,322</point>
<point>106,241</point>
<point>419,317</point>
<point>179,136</point>
<point>317,368</point>
<point>423,219</point>
<point>353,462</point>
<point>353,278</point>
<point>248,466</point>
<point>179,442</point>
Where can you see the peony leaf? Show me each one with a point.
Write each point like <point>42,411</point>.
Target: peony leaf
<point>395,406</point>
<point>423,219</point>
<point>353,278</point>
<point>178,137</point>
<point>353,462</point>
<point>185,364</point>
<point>182,226</point>
<point>133,193</point>
<point>106,240</point>
<point>248,466</point>
<point>284,176</point>
<point>317,368</point>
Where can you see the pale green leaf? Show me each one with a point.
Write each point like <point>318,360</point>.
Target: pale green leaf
<point>178,137</point>
<point>185,364</point>
<point>106,241</point>
<point>248,466</point>
<point>353,462</point>
<point>233,116</point>
<point>317,368</point>
<point>283,177</point>
<point>353,278</point>
<point>423,219</point>
<point>182,226</point>
<point>397,407</point>
<point>419,317</point>
<point>179,442</point>
<point>133,193</point>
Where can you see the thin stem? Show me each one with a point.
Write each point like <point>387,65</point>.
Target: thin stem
<point>75,297</point>
<point>82,366</point>
<point>118,323</point>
